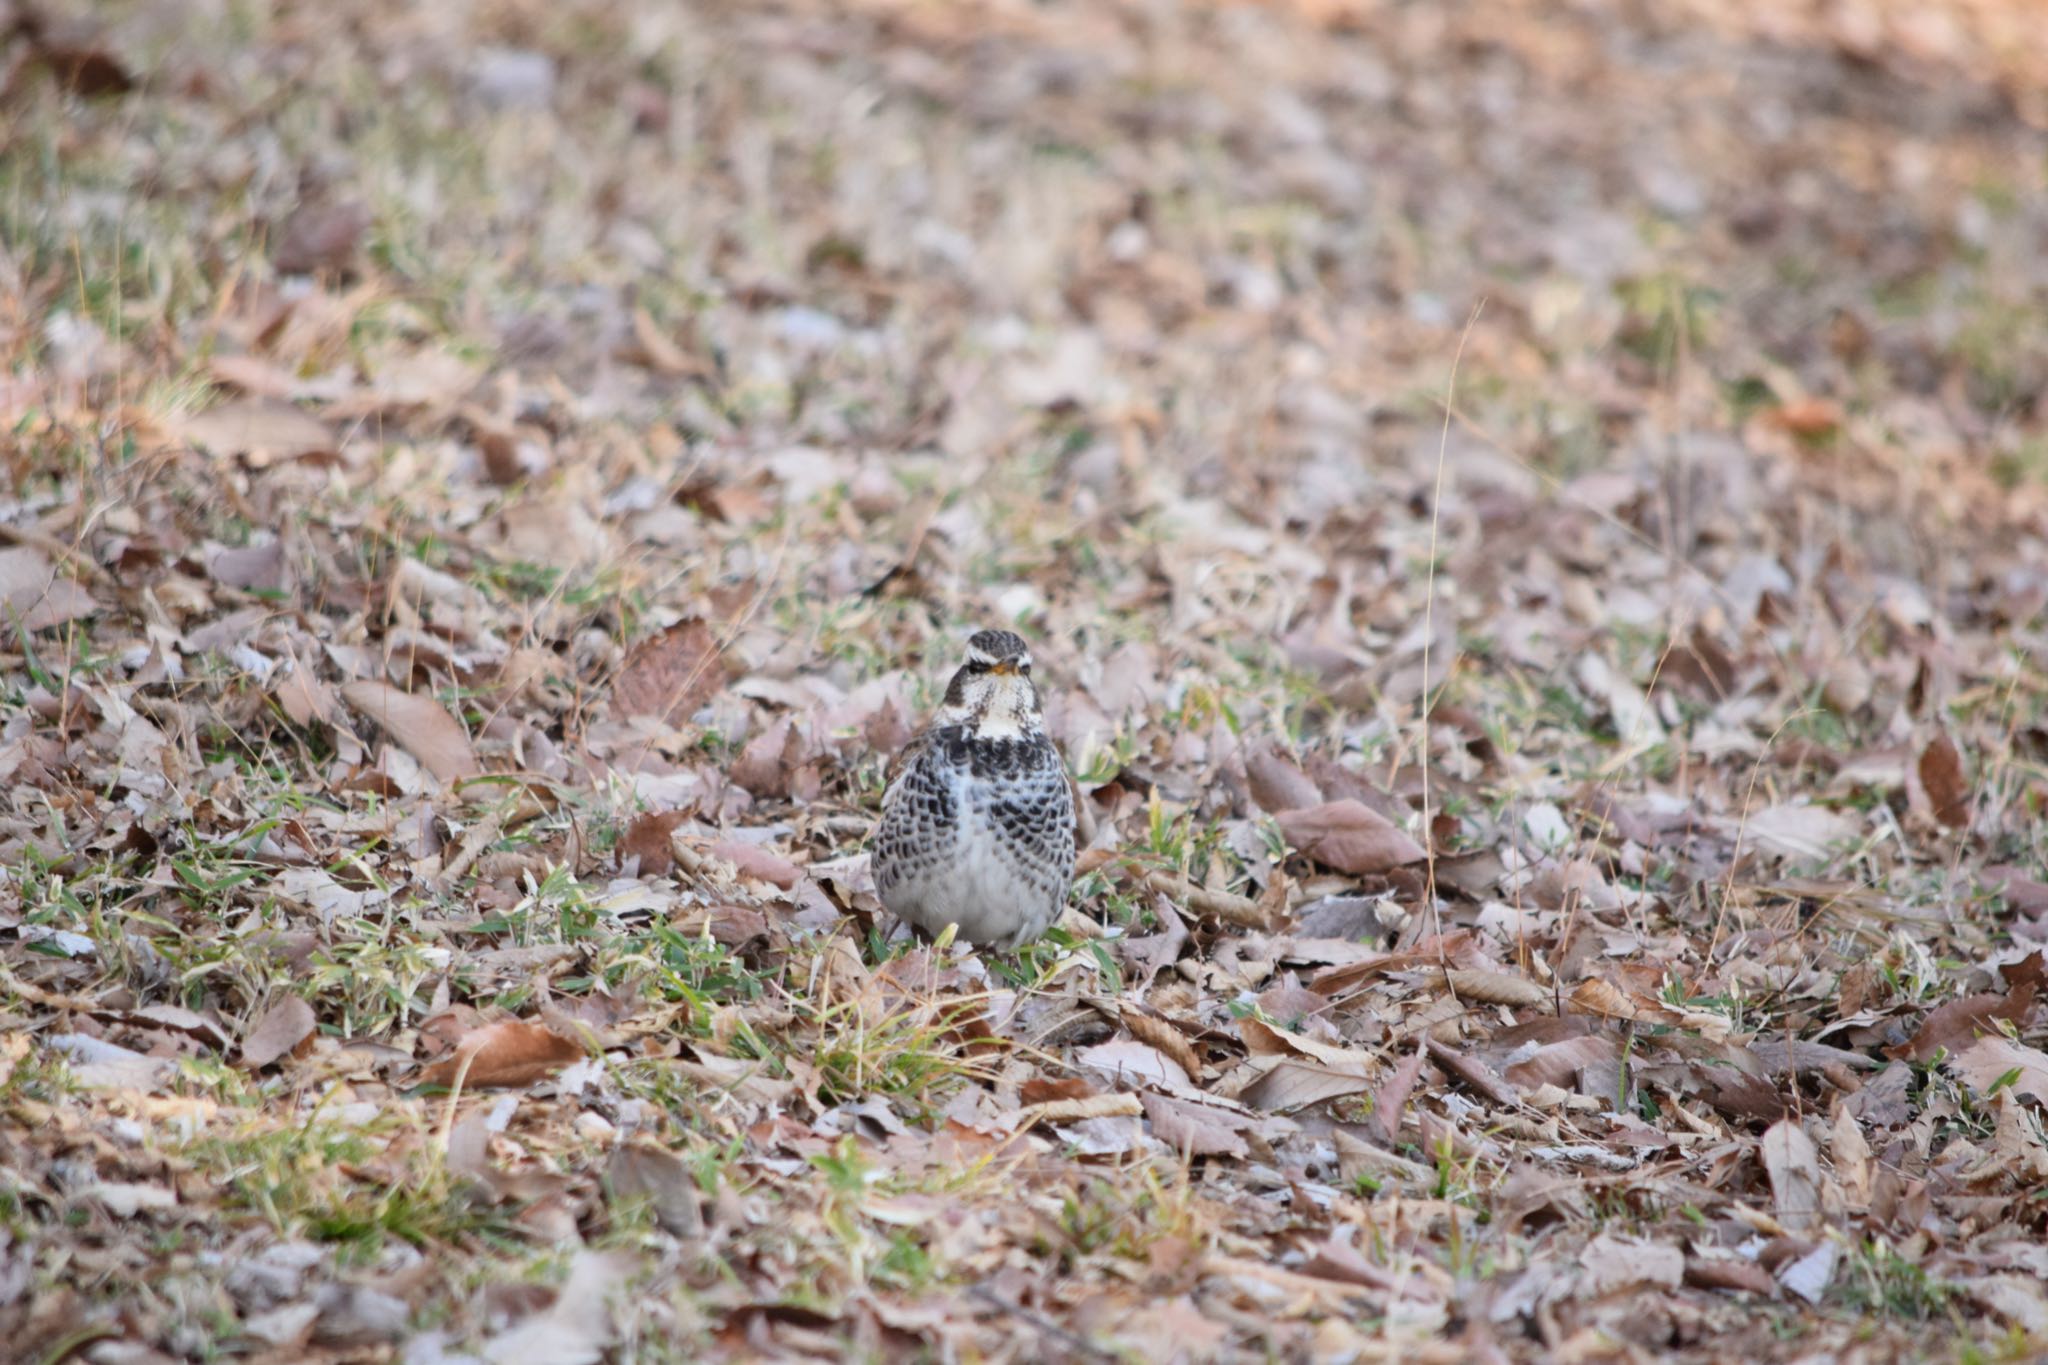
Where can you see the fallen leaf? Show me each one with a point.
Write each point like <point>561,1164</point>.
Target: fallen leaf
<point>511,1052</point>
<point>1793,1164</point>
<point>1278,784</point>
<point>261,431</point>
<point>757,862</point>
<point>33,595</point>
<point>1561,1062</point>
<point>282,1028</point>
<point>1941,777</point>
<point>1195,1129</point>
<point>649,838</point>
<point>1349,837</point>
<point>1809,1276</point>
<point>670,675</point>
<point>1128,1059</point>
<point>419,725</point>
<point>578,1327</point>
<point>1959,1021</point>
<point>1160,1033</point>
<point>1290,1085</point>
<point>1496,988</point>
<point>302,694</point>
<point>1990,1060</point>
<point>642,1170</point>
<point>321,235</point>
<point>1611,1262</point>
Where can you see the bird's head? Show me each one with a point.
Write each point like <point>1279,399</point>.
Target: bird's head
<point>991,692</point>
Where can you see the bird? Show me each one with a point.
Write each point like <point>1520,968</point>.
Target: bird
<point>977,827</point>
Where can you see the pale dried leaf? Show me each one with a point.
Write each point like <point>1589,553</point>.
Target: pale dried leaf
<point>418,724</point>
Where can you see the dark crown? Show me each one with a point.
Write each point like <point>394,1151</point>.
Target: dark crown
<point>997,645</point>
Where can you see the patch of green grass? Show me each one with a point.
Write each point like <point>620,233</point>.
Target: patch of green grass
<point>1875,1279</point>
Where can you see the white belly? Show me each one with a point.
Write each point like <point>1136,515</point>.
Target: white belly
<point>977,889</point>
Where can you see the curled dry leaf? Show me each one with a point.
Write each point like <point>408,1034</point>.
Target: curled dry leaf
<point>321,235</point>
<point>1119,1105</point>
<point>1160,1033</point>
<point>1597,997</point>
<point>511,1052</point>
<point>1941,776</point>
<point>1496,988</point>
<point>670,675</point>
<point>1392,1096</point>
<point>419,725</point>
<point>282,1028</point>
<point>1349,837</point>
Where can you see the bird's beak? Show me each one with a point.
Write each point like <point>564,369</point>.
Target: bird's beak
<point>1004,668</point>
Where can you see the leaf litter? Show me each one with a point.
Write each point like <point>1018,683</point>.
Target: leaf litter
<point>490,491</point>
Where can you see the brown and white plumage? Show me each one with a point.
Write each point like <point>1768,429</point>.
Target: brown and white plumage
<point>978,821</point>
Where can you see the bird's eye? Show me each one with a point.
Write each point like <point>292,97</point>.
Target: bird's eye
<point>1025,668</point>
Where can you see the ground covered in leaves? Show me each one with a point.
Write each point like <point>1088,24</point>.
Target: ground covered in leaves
<point>1531,518</point>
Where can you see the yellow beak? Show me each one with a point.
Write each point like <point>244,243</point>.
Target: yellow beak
<point>1003,668</point>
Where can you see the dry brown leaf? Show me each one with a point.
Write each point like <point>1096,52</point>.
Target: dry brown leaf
<point>1261,1039</point>
<point>282,1028</point>
<point>648,838</point>
<point>511,1052</point>
<point>1120,1105</point>
<point>34,596</point>
<point>1611,1262</point>
<point>1126,1059</point>
<point>1597,997</point>
<point>1350,837</point>
<point>1160,1033</point>
<point>259,430</point>
<point>1045,1090</point>
<point>1477,1075</point>
<point>1941,777</point>
<point>1278,784</point>
<point>643,1170</point>
<point>1560,1063</point>
<point>322,235</point>
<point>1392,1096</point>
<point>1496,988</point>
<point>777,762</point>
<point>670,675</point>
<point>1289,1084</point>
<point>418,724</point>
<point>1959,1021</point>
<point>1793,1164</point>
<point>304,697</point>
<point>757,862</point>
<point>1990,1060</point>
<point>261,567</point>
<point>1192,1129</point>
